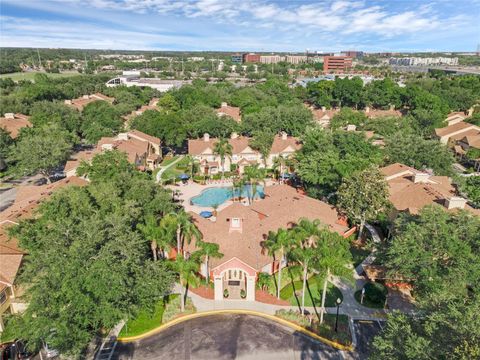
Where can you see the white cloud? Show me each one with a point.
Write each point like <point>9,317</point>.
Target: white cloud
<point>220,24</point>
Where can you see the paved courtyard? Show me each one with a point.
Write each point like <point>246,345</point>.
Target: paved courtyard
<point>242,337</point>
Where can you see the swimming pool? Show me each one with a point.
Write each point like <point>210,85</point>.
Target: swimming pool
<point>217,196</point>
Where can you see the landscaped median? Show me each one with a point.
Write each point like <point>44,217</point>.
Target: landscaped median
<point>279,319</point>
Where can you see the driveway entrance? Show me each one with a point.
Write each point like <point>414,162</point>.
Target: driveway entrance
<point>226,337</point>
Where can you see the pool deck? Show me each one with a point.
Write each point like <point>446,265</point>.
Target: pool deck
<point>186,191</point>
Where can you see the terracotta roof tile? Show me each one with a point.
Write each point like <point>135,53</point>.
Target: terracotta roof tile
<point>14,125</point>
<point>29,197</point>
<point>460,126</point>
<point>282,206</point>
<point>232,111</point>
<point>280,144</point>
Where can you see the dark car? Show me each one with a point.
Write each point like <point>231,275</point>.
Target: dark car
<point>7,351</point>
<point>16,350</point>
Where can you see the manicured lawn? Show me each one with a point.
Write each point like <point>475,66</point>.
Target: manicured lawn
<point>171,173</point>
<point>31,75</point>
<point>358,254</point>
<point>169,160</point>
<point>165,310</point>
<point>326,330</point>
<point>313,293</point>
<point>145,321</point>
<point>375,295</point>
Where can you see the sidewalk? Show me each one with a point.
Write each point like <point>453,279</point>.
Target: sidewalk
<point>348,307</point>
<point>163,169</point>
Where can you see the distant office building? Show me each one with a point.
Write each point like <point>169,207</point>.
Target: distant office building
<point>296,59</point>
<point>196,58</point>
<point>237,59</point>
<point>421,61</point>
<point>251,58</point>
<point>336,64</point>
<point>353,54</point>
<point>271,59</point>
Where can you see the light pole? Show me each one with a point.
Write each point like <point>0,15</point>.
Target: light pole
<point>339,301</point>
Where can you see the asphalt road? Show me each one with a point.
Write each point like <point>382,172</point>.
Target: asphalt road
<point>365,331</point>
<point>242,337</point>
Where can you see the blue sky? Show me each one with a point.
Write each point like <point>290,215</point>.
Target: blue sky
<point>243,25</point>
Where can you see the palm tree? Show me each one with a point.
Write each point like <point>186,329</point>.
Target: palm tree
<point>185,229</point>
<point>192,165</point>
<point>303,251</point>
<point>238,183</point>
<point>335,259</point>
<point>253,174</point>
<point>277,166</point>
<point>209,250</point>
<point>151,231</point>
<point>223,149</point>
<point>279,242</point>
<point>187,268</point>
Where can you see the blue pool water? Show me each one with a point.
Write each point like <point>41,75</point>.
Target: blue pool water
<point>217,196</point>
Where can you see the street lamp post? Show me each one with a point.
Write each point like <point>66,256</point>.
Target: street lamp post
<point>339,301</point>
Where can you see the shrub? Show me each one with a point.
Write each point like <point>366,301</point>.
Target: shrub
<point>225,293</point>
<point>173,308</point>
<point>294,316</point>
<point>243,294</point>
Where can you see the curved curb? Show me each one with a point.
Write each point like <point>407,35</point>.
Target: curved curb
<point>290,324</point>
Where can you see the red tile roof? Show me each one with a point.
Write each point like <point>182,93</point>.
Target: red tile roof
<point>282,206</point>
<point>14,125</point>
<point>460,126</point>
<point>232,111</point>
<point>29,197</point>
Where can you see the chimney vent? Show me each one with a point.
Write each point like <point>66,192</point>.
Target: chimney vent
<point>9,116</point>
<point>284,135</point>
<point>206,137</point>
<point>224,104</point>
<point>455,202</point>
<point>421,177</point>
<point>234,135</point>
<point>324,108</point>
<point>367,109</point>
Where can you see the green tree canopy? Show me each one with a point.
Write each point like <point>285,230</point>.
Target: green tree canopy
<point>438,252</point>
<point>45,112</point>
<point>43,149</point>
<point>89,264</point>
<point>415,151</point>
<point>363,196</point>
<point>100,119</point>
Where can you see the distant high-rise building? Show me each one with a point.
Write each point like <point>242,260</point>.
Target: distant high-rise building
<point>271,59</point>
<point>352,53</point>
<point>251,58</point>
<point>237,58</point>
<point>336,64</point>
<point>296,59</point>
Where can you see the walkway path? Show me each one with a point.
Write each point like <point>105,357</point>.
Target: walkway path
<point>164,168</point>
<point>349,305</point>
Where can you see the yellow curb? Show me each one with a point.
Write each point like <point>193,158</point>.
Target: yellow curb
<point>290,324</point>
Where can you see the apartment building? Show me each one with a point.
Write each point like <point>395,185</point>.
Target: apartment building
<point>243,155</point>
<point>336,64</point>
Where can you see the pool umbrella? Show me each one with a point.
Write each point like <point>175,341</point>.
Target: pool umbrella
<point>184,177</point>
<point>206,214</point>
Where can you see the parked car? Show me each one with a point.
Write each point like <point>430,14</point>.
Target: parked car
<point>15,350</point>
